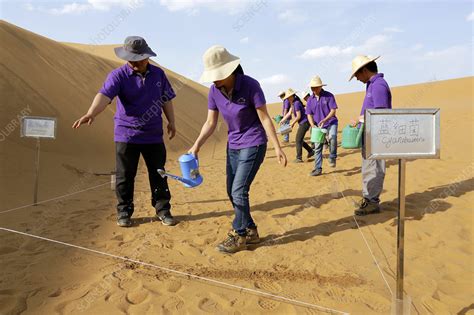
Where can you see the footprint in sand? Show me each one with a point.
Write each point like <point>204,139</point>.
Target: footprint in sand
<point>339,295</point>
<point>172,305</point>
<point>271,287</point>
<point>137,297</point>
<point>174,286</point>
<point>268,304</point>
<point>376,302</point>
<point>210,306</point>
<point>55,293</point>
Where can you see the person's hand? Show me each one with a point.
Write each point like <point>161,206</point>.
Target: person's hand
<point>321,123</point>
<point>171,130</point>
<point>194,151</point>
<point>281,157</point>
<point>354,123</point>
<point>86,119</point>
<point>281,122</point>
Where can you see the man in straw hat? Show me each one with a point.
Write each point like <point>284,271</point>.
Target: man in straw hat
<point>285,110</point>
<point>377,95</point>
<point>240,100</point>
<point>299,114</point>
<point>143,93</point>
<point>321,111</point>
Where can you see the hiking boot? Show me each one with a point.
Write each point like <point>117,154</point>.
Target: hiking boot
<point>366,207</point>
<point>167,219</point>
<point>233,243</point>
<point>298,161</point>
<point>252,236</point>
<point>316,172</point>
<point>332,162</point>
<point>124,222</point>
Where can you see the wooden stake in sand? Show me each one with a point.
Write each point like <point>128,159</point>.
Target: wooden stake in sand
<point>38,127</point>
<point>402,134</point>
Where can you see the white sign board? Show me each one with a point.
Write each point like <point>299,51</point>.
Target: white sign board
<point>402,134</point>
<point>38,127</point>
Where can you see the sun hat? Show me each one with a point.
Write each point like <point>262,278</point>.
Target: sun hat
<point>281,94</point>
<point>304,94</point>
<point>289,93</point>
<point>218,64</point>
<point>360,61</point>
<point>316,82</point>
<point>134,48</point>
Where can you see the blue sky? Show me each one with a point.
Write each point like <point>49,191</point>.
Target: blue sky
<point>281,43</point>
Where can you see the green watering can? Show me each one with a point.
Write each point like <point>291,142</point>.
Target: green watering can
<point>352,137</point>
<point>318,134</point>
<point>278,118</point>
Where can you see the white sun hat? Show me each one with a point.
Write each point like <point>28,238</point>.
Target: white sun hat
<point>360,61</point>
<point>281,94</point>
<point>218,64</point>
<point>316,82</point>
<point>304,93</point>
<point>289,93</point>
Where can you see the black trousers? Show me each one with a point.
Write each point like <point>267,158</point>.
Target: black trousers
<point>300,143</point>
<point>127,157</point>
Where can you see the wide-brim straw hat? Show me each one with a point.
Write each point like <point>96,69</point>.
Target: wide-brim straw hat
<point>316,82</point>
<point>281,94</point>
<point>134,48</point>
<point>289,93</point>
<point>304,94</point>
<point>360,61</point>
<point>218,64</point>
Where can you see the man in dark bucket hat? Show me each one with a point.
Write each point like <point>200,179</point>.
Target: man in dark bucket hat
<point>143,93</point>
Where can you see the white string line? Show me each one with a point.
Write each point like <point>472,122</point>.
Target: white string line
<point>55,198</point>
<point>366,243</point>
<point>181,273</point>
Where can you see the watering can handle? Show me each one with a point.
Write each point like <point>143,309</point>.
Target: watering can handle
<point>197,160</point>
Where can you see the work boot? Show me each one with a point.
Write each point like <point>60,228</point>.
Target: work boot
<point>233,243</point>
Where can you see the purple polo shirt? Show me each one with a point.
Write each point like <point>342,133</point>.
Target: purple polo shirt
<point>322,107</point>
<point>240,112</point>
<point>377,94</point>
<point>139,104</point>
<point>298,107</point>
<point>286,106</point>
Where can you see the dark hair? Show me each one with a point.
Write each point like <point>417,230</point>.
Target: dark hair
<point>238,70</point>
<point>371,66</point>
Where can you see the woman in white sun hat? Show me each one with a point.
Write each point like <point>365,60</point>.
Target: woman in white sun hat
<point>299,116</point>
<point>285,110</point>
<point>240,100</point>
<point>377,95</point>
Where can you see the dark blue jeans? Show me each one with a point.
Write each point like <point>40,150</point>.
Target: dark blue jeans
<point>242,166</point>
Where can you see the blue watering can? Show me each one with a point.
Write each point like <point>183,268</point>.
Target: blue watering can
<point>189,169</point>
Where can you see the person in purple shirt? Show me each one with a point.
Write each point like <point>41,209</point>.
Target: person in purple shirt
<point>299,114</point>
<point>285,110</point>
<point>321,111</point>
<point>240,100</point>
<point>143,92</point>
<point>377,95</point>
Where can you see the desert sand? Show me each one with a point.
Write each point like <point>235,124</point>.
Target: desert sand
<point>312,249</point>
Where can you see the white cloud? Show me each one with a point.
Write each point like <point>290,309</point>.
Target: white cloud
<point>372,45</point>
<point>393,29</point>
<point>244,40</point>
<point>90,5</point>
<point>193,6</point>
<point>470,17</point>
<point>447,53</point>
<point>292,16</point>
<point>275,79</point>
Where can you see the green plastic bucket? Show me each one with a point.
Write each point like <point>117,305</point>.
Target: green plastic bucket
<point>318,135</point>
<point>278,118</point>
<point>352,137</point>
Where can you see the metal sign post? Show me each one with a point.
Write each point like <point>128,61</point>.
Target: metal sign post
<point>38,127</point>
<point>401,134</point>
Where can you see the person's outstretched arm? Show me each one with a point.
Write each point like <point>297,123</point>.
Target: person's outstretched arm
<point>271,133</point>
<point>206,131</point>
<point>169,113</point>
<point>99,103</point>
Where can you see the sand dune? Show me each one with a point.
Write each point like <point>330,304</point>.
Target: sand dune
<point>313,250</point>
